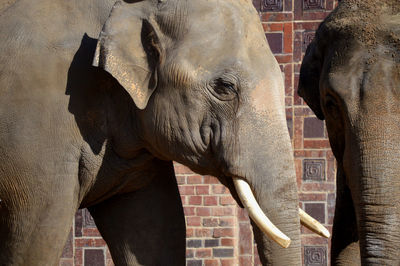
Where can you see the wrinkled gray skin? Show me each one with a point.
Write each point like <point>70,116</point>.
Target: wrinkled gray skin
<point>350,77</point>
<point>191,81</point>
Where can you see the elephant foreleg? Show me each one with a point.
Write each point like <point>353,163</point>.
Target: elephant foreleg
<point>345,248</point>
<point>35,220</point>
<point>145,227</point>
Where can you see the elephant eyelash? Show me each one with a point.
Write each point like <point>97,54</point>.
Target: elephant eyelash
<point>224,90</point>
<point>226,84</point>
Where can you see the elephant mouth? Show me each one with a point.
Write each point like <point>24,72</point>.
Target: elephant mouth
<point>255,212</point>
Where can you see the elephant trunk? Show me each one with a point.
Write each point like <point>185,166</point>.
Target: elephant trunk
<point>265,162</point>
<point>375,186</point>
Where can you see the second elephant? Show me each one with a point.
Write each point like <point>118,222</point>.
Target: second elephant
<point>350,77</point>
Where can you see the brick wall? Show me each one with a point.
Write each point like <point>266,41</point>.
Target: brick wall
<point>218,232</point>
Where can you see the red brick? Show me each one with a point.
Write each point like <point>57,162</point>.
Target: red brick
<point>203,232</point>
<point>186,190</point>
<point>210,222</point>
<point>210,180</point>
<point>189,232</point>
<point>316,144</point>
<point>210,201</point>
<point>269,27</point>
<point>226,221</point>
<point>312,196</point>
<point>91,232</point>
<point>331,168</point>
<point>313,240</point>
<point>228,242</point>
<point>227,200</point>
<point>273,16</point>
<point>195,200</point>
<point>220,189</point>
<point>245,260</point>
<point>288,38</point>
<point>194,179</point>
<point>109,261</point>
<point>318,187</point>
<point>78,257</point>
<point>203,252</point>
<point>283,59</point>
<point>203,211</point>
<point>243,215</point>
<point>224,232</point>
<point>297,100</point>
<point>89,242</point>
<point>288,101</point>
<point>212,262</point>
<point>181,169</point>
<point>66,262</point>
<point>298,133</point>
<point>189,211</point>
<point>193,221</point>
<point>303,111</point>
<point>202,190</point>
<point>300,14</point>
<point>331,214</point>
<point>257,261</point>
<point>223,211</point>
<point>245,239</point>
<point>183,199</point>
<point>181,179</point>
<point>288,85</point>
<point>331,200</point>
<point>228,262</point>
<point>298,165</point>
<point>310,153</point>
<point>288,110</point>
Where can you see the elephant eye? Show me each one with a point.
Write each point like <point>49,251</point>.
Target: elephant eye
<point>330,102</point>
<point>331,106</point>
<point>224,90</point>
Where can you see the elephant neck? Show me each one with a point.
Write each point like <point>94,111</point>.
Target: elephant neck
<point>106,174</point>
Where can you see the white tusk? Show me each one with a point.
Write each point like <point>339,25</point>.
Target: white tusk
<point>257,215</point>
<point>313,224</point>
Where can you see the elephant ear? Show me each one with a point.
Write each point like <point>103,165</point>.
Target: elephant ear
<point>309,79</point>
<point>129,49</point>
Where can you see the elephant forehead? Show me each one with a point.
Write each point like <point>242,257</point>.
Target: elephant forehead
<point>366,22</point>
<point>220,24</point>
<point>218,35</point>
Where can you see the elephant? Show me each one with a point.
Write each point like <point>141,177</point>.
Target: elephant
<point>350,76</point>
<point>98,97</point>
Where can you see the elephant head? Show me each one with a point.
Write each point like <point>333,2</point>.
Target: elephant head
<point>350,77</point>
<point>209,94</point>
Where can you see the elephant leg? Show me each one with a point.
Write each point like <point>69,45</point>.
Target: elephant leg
<point>147,226</point>
<point>345,248</point>
<point>35,221</point>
